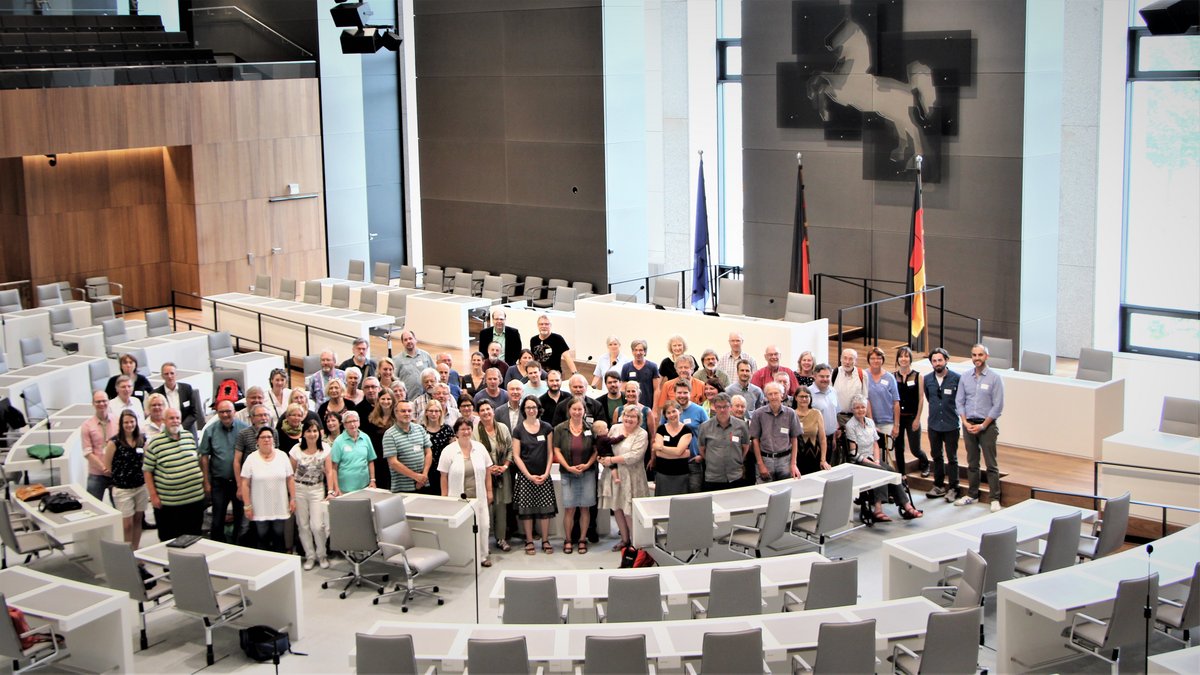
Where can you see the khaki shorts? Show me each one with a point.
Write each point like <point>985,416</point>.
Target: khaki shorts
<point>131,501</point>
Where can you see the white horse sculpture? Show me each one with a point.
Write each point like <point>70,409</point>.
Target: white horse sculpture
<point>850,84</point>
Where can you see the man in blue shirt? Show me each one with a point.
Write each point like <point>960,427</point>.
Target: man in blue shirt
<point>218,454</point>
<point>692,417</point>
<point>940,389</point>
<point>980,402</point>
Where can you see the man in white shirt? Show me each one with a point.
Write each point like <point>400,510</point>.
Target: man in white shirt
<point>126,401</point>
<point>181,396</point>
<point>728,363</point>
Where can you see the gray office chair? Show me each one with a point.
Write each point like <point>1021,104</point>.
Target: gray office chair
<point>433,280</point>
<point>100,289</point>
<point>352,531</point>
<point>771,527</point>
<point>101,311</point>
<point>949,645</point>
<point>396,307</point>
<point>968,592</point>
<point>830,584</point>
<point>448,276</point>
<point>1036,362</point>
<point>1000,352</point>
<point>339,296</point>
<point>31,351</point>
<point>30,543</point>
<point>688,530</point>
<point>41,654</point>
<point>368,300</point>
<point>158,323</point>
<point>311,364</point>
<point>847,647</point>
<point>1181,616</point>
<point>666,293</point>
<point>801,308</point>
<point>533,288</point>
<point>121,571</point>
<point>381,274</point>
<point>731,592</point>
<point>564,299</point>
<point>61,320</point>
<point>616,655</point>
<point>1112,526</point>
<point>493,288</point>
<point>532,600</point>
<point>397,548</point>
<point>632,598</point>
<point>1180,416</point>
<point>730,296</point>
<point>10,301</point>
<point>503,656</point>
<point>49,295</point>
<point>408,276</point>
<point>999,550</point>
<point>114,334</point>
<point>312,292</point>
<point>1095,365</point>
<point>734,653</point>
<point>582,288</point>
<point>463,284</point>
<point>220,346</point>
<point>98,374</point>
<point>287,289</point>
<point>3,362</point>
<point>552,288</point>
<point>262,285</point>
<point>386,654</point>
<point>508,282</point>
<point>1125,627</point>
<point>198,598</point>
<point>1062,547</point>
<point>357,270</point>
<point>832,518</point>
<point>35,407</point>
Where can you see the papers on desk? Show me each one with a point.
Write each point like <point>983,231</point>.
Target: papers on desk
<point>79,515</point>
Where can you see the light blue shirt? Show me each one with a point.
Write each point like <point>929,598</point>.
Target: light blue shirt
<point>980,396</point>
<point>883,396</point>
<point>827,403</point>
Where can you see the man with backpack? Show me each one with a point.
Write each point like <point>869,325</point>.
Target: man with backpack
<point>848,381</point>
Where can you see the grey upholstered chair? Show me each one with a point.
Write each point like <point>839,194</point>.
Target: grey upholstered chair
<point>733,653</point>
<point>800,308</point>
<point>197,597</point>
<point>357,270</point>
<point>1126,626</point>
<point>121,571</point>
<point>398,548</point>
<point>666,292</point>
<point>832,519</point>
<point>386,654</point>
<point>832,583</point>
<point>158,323</point>
<point>730,296</point>
<point>10,301</point>
<point>842,648</point>
<point>49,295</point>
<point>1180,416</point>
<point>1000,352</point>
<point>532,600</point>
<point>40,654</point>
<point>688,530</point>
<point>772,525</point>
<point>1112,526</point>
<point>949,644</point>
<point>352,531</point>
<point>1095,365</point>
<point>1036,362</point>
<point>1062,547</point>
<point>632,598</point>
<point>262,285</point>
<point>731,592</point>
<point>616,655</point>
<point>503,656</point>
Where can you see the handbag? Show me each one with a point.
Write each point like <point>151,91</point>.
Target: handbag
<point>263,643</point>
<point>28,493</point>
<point>59,502</point>
<point>44,452</point>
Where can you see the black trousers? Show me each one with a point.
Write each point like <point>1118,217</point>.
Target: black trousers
<point>179,519</point>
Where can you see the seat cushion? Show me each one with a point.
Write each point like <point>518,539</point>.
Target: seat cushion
<point>29,542</point>
<point>1087,547</point>
<point>1170,615</point>
<point>744,538</point>
<point>38,650</point>
<point>1028,565</point>
<point>422,559</point>
<point>228,601</point>
<point>161,587</point>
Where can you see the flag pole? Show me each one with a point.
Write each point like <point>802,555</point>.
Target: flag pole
<point>711,272</point>
<point>923,339</point>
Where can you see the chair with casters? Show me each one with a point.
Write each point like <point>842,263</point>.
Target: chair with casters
<point>31,351</point>
<point>1181,616</point>
<point>339,296</point>
<point>220,346</point>
<point>49,295</point>
<point>311,364</point>
<point>464,285</point>
<point>431,268</point>
<point>632,598</point>
<point>287,289</point>
<point>666,293</point>
<point>583,288</point>
<point>1062,547</point>
<point>999,550</point>
<point>1126,626</point>
<point>408,276</point>
<point>949,645</point>
<point>100,289</point>
<point>41,654</point>
<point>1000,352</point>
<point>98,374</point>
<point>10,301</point>
<point>121,571</point>
<point>968,592</point>
<point>830,584</point>
<point>772,525</point>
<point>832,519</point>
<point>734,653</point>
<point>35,407</point>
<point>434,280</point>
<point>158,323</point>
<point>733,591</point>
<point>368,300</point>
<point>730,296</point>
<point>501,656</point>
<point>616,655</point>
<point>687,532</point>
<point>101,311</point>
<point>1095,365</point>
<point>197,597</point>
<point>1113,527</point>
<point>386,654</point>
<point>262,285</point>
<point>16,533</point>
<point>847,647</point>
<point>114,334</point>
<point>1036,362</point>
<point>1180,416</point>
<point>801,308</point>
<point>381,274</point>
<point>398,548</point>
<point>352,531</point>
<point>532,600</point>
<point>357,270</point>
<point>564,299</point>
<point>477,277</point>
<point>312,293</point>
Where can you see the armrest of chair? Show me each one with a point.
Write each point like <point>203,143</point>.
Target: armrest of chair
<point>431,670</point>
<point>699,611</point>
<point>1096,527</point>
<point>1029,554</point>
<point>1168,601</point>
<point>1088,619</point>
<point>951,571</point>
<point>897,649</point>
<point>565,613</point>
<point>241,593</point>
<point>47,629</point>
<point>790,599</point>
<point>935,593</point>
<point>734,528</point>
<point>689,669</point>
<point>388,550</point>
<point>600,612</point>
<point>436,540</point>
<point>800,665</point>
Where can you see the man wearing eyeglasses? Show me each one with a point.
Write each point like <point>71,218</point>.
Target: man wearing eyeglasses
<point>940,388</point>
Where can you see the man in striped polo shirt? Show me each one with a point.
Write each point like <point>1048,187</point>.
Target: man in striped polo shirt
<point>175,480</point>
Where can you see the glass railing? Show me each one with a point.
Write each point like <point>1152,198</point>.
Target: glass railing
<point>49,78</point>
<point>230,29</point>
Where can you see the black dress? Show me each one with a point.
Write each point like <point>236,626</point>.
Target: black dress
<point>671,475</point>
<point>438,440</point>
<point>534,501</point>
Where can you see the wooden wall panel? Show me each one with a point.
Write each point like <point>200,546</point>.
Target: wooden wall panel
<point>23,128</point>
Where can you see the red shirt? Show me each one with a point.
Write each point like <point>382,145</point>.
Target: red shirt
<point>765,375</point>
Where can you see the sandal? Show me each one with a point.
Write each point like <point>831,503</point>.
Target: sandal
<point>503,546</point>
<point>529,549</point>
<point>487,562</point>
<point>582,546</point>
<point>882,517</point>
<point>911,513</point>
<point>567,547</point>
<point>546,547</point>
<point>620,545</point>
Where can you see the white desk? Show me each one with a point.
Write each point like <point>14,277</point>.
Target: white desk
<point>86,527</point>
<point>1182,661</point>
<point>91,338</point>
<point>299,327</point>
<point>449,517</point>
<point>95,622</point>
<point>187,350</point>
<point>1032,612</point>
<point>356,289</point>
<point>271,580</point>
<point>255,367</point>
<point>69,468</point>
<point>62,382</point>
<point>915,561</point>
<point>36,323</point>
<point>1158,450</point>
<point>668,642</point>
<point>441,318</point>
<point>727,504</point>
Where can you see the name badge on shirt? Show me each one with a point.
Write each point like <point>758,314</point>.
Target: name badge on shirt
<point>541,438</point>
<point>632,375</point>
<point>735,439</point>
<point>948,392</point>
<point>140,451</point>
<point>587,433</point>
<point>911,383</point>
<point>783,430</point>
<point>985,386</point>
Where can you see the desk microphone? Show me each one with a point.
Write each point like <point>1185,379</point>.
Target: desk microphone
<point>475,546</point>
<point>1148,610</point>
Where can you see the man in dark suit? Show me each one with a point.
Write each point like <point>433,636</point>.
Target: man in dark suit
<point>511,337</point>
<point>182,397</point>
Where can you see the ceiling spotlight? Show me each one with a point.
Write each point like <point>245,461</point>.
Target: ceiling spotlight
<point>390,40</point>
<point>361,41</point>
<point>350,14</point>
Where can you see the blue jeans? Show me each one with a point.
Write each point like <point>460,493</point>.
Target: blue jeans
<point>224,491</point>
<point>270,534</point>
<point>96,485</point>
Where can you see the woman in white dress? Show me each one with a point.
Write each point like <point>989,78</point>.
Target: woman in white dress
<point>268,490</point>
<point>625,479</point>
<point>464,470</point>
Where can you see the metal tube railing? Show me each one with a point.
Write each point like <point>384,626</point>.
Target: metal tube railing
<point>1096,499</point>
<point>720,272</point>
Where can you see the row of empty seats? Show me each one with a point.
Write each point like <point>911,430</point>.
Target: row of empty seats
<point>95,289</point>
<point>1095,365</point>
<point>20,23</point>
<point>92,41</point>
<point>115,58</point>
<point>799,308</point>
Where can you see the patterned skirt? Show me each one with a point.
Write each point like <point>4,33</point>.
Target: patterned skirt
<point>534,501</point>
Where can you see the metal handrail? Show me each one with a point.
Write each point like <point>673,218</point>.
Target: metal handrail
<point>721,272</point>
<point>253,18</point>
<point>1096,499</point>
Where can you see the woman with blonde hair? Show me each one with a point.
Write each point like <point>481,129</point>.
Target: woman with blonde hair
<point>440,435</point>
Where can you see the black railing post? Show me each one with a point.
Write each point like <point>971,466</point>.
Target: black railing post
<point>307,344</point>
<point>942,317</point>
<point>840,330</point>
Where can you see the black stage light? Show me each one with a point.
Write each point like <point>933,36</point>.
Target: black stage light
<point>350,14</point>
<point>361,41</point>
<point>390,40</point>
<point>1171,17</point>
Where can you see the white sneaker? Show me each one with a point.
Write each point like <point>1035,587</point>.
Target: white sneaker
<point>996,506</point>
<point>324,562</point>
<point>308,564</point>
<point>963,501</point>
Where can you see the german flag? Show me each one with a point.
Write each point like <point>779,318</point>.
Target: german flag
<point>916,263</point>
<point>801,281</point>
